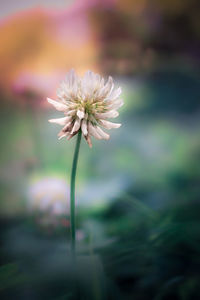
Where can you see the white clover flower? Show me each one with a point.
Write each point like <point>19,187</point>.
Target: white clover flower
<point>86,102</point>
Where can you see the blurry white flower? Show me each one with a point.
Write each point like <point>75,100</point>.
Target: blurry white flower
<point>87,102</point>
<point>48,195</point>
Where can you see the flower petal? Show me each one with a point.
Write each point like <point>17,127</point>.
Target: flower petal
<point>71,78</point>
<point>93,132</point>
<point>109,125</point>
<point>59,106</point>
<point>60,121</point>
<point>116,104</point>
<point>87,83</point>
<point>76,126</point>
<point>63,135</point>
<point>67,127</point>
<point>107,89</point>
<point>108,114</point>
<point>115,94</point>
<point>70,136</point>
<point>84,127</point>
<point>71,112</point>
<point>88,139</point>
<point>103,135</point>
<point>80,114</point>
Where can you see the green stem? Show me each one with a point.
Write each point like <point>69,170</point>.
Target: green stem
<point>72,195</point>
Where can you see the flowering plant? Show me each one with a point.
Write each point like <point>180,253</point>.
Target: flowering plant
<point>87,103</point>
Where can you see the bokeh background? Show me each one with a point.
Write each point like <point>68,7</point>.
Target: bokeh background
<point>138,206</point>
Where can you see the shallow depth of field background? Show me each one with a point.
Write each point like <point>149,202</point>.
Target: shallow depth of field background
<point>138,206</point>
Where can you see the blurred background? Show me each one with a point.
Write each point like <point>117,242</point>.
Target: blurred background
<point>138,206</point>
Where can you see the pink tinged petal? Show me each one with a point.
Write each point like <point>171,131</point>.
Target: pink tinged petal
<point>103,135</point>
<point>116,104</point>
<point>108,114</point>
<point>67,127</point>
<point>63,135</point>
<point>71,112</point>
<point>84,127</point>
<point>71,105</point>
<point>76,126</point>
<point>80,114</point>
<point>60,121</point>
<point>68,119</point>
<point>88,139</point>
<point>93,132</point>
<point>70,136</point>
<point>59,106</point>
<point>109,125</point>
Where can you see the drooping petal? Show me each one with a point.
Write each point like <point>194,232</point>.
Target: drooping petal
<point>109,125</point>
<point>70,136</point>
<point>76,126</point>
<point>88,140</point>
<point>67,127</point>
<point>104,135</point>
<point>84,127</point>
<point>59,106</point>
<point>93,132</point>
<point>60,121</point>
<point>63,135</point>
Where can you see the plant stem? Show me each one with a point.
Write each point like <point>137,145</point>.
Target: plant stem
<point>72,195</point>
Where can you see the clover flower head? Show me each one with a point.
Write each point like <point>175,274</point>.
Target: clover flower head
<point>87,103</point>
